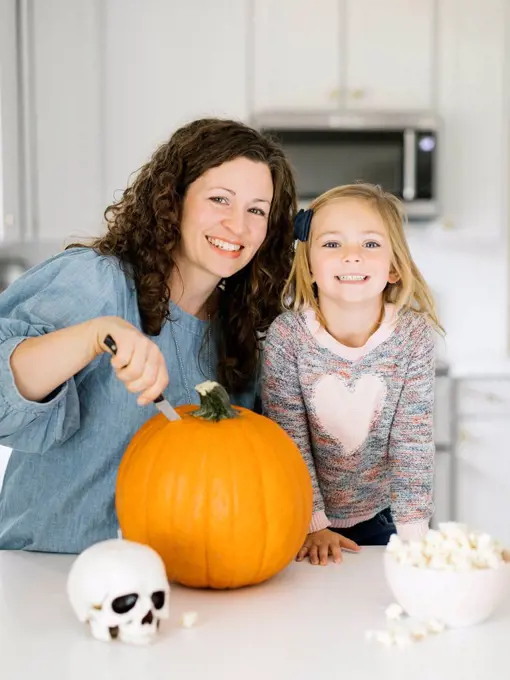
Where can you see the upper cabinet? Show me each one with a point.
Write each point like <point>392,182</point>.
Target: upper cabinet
<point>297,54</point>
<point>389,54</point>
<point>343,53</point>
<point>167,63</point>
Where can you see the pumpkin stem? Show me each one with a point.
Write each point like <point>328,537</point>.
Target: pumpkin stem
<point>214,402</point>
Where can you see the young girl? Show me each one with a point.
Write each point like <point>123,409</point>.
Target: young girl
<point>349,372</point>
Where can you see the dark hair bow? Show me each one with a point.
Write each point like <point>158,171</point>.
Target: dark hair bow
<point>302,223</point>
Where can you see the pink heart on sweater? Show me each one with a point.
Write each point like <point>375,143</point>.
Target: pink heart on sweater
<point>347,413</point>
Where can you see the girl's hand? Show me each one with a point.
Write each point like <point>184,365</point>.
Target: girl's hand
<point>320,544</point>
<point>138,363</point>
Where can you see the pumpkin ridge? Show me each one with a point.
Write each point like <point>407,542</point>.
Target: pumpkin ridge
<point>262,495</point>
<point>147,486</point>
<point>234,514</point>
<point>161,454</point>
<point>207,495</point>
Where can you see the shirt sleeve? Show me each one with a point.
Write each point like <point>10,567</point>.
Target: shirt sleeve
<point>411,445</point>
<point>68,289</point>
<point>282,401</point>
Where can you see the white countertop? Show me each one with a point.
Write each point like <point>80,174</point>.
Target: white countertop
<point>308,622</point>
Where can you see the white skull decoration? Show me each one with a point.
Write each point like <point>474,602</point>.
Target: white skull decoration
<point>120,588</point>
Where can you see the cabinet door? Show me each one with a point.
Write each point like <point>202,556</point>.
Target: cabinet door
<point>482,475</point>
<point>167,63</point>
<point>472,101</point>
<point>10,218</point>
<point>297,54</point>
<point>65,138</point>
<point>390,54</point>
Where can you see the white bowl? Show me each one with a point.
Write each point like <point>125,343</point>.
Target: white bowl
<point>457,598</point>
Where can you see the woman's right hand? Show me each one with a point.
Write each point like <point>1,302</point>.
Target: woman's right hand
<point>320,544</point>
<point>139,363</point>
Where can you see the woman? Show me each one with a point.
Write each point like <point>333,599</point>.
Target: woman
<point>186,280</point>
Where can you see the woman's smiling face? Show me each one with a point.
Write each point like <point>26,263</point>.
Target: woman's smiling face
<point>225,217</point>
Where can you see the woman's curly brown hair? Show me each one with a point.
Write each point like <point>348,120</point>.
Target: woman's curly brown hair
<point>144,229</point>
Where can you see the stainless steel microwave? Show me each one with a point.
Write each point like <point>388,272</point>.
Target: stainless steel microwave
<point>396,150</point>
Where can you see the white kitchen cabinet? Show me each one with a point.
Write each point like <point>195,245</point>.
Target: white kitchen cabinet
<point>482,457</point>
<point>472,102</point>
<point>359,54</point>
<point>65,117</point>
<point>167,63</point>
<point>10,219</point>
<point>389,54</point>
<point>297,54</point>
<point>112,80</point>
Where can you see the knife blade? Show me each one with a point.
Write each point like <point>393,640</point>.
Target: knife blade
<point>162,404</point>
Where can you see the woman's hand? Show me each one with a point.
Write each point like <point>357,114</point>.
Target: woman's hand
<point>139,363</point>
<point>320,544</point>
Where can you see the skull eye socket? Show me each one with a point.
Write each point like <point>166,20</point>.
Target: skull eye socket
<point>158,599</point>
<point>124,603</point>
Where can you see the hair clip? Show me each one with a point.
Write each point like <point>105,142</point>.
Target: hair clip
<point>302,224</point>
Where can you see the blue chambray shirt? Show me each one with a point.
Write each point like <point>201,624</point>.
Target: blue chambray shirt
<point>59,486</point>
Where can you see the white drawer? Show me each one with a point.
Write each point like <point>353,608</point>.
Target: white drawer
<point>482,475</point>
<point>483,397</point>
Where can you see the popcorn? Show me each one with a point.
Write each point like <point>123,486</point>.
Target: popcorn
<point>435,626</point>
<point>451,548</point>
<point>188,619</point>
<point>394,612</point>
<point>419,633</point>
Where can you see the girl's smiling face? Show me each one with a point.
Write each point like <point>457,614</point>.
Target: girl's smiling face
<point>350,253</point>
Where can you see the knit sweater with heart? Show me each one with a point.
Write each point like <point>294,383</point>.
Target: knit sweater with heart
<point>361,417</point>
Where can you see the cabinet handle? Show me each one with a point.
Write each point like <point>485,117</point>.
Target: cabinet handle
<point>358,94</point>
<point>335,93</point>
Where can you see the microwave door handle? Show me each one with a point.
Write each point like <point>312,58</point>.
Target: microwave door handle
<point>409,190</point>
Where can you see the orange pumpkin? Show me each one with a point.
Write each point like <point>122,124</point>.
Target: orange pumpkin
<point>223,495</point>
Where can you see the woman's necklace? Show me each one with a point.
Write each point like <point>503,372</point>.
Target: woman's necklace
<point>182,369</point>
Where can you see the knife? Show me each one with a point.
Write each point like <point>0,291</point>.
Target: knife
<point>161,403</point>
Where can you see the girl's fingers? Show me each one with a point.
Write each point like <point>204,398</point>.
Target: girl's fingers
<point>347,544</point>
<point>314,555</point>
<point>336,552</point>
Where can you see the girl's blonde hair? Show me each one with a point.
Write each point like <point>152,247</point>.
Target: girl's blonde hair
<point>409,292</point>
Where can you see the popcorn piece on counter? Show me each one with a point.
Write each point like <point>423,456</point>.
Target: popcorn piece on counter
<point>188,619</point>
<point>419,633</point>
<point>394,612</point>
<point>435,626</point>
